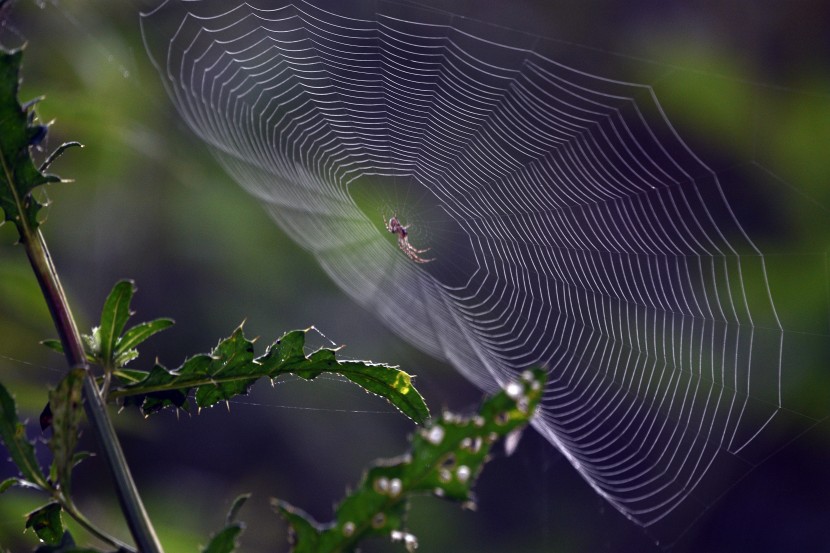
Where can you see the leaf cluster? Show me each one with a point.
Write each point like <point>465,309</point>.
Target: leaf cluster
<point>66,416</point>
<point>108,345</point>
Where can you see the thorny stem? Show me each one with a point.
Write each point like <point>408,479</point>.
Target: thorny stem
<point>131,505</point>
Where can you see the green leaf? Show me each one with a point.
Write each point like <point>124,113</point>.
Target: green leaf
<point>445,460</point>
<point>231,369</point>
<point>140,333</point>
<point>8,483</point>
<point>53,345</point>
<point>46,522</point>
<point>105,345</point>
<point>20,449</point>
<point>114,317</point>
<point>235,506</point>
<point>66,545</point>
<point>58,153</point>
<point>129,376</point>
<point>66,402</point>
<point>18,174</point>
<point>225,540</point>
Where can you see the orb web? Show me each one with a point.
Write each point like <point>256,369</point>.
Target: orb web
<point>568,224</point>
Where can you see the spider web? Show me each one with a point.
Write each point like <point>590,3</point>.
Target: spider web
<point>569,225</point>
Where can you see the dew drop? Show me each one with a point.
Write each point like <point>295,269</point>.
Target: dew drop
<point>463,474</point>
<point>381,485</point>
<point>527,376</point>
<point>435,435</point>
<point>395,487</point>
<point>444,475</point>
<point>512,441</point>
<point>409,540</point>
<point>348,529</point>
<point>514,390</point>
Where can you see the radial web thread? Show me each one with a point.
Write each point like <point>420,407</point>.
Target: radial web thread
<point>569,225</point>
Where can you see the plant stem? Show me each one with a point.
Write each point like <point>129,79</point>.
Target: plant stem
<point>131,505</point>
<point>73,511</point>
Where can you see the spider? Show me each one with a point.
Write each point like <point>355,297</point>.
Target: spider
<point>394,226</point>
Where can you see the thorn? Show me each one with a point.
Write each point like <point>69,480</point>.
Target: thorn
<point>26,106</point>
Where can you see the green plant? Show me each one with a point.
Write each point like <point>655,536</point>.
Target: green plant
<point>446,455</point>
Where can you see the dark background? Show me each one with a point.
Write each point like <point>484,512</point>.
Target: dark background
<point>747,84</point>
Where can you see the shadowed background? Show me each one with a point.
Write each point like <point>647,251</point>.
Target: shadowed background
<point>742,84</point>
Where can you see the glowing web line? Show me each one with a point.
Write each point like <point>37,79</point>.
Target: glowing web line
<point>570,225</point>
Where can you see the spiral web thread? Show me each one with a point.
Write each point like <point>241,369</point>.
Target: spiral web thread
<point>570,226</point>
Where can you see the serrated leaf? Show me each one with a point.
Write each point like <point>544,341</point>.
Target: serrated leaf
<point>446,458</point>
<point>114,317</point>
<point>231,369</point>
<point>46,522</point>
<point>20,449</point>
<point>303,529</point>
<point>66,402</point>
<point>18,174</point>
<point>140,333</point>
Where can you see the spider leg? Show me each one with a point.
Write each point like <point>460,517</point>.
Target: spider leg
<point>412,252</point>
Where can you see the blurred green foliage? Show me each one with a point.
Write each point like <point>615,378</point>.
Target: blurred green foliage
<point>748,89</point>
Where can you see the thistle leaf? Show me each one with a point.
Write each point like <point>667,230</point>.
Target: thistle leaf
<point>446,458</point>
<point>230,369</point>
<point>18,132</point>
